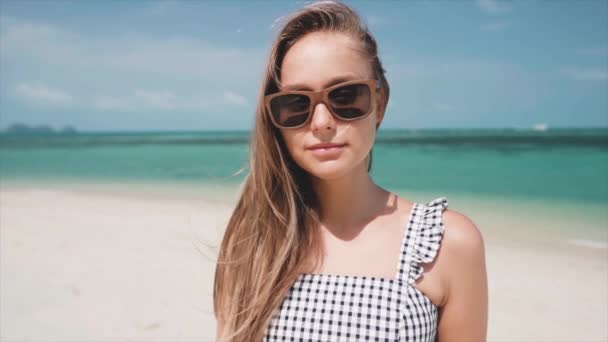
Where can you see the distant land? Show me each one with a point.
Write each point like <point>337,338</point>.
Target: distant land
<point>21,128</point>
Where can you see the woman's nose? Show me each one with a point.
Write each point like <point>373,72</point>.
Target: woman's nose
<point>322,118</point>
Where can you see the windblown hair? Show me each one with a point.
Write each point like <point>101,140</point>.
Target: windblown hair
<point>271,236</point>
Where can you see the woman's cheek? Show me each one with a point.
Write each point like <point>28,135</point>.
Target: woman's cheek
<point>296,152</point>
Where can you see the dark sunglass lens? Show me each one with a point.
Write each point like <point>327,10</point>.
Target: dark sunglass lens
<point>290,110</point>
<point>351,101</point>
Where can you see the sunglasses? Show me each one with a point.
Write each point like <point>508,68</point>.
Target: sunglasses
<point>348,101</point>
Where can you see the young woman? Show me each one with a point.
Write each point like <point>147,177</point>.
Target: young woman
<point>315,250</point>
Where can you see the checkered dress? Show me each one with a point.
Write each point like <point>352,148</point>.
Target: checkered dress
<point>325,307</point>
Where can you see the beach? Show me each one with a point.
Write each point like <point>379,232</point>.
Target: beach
<point>128,130</point>
<point>127,262</point>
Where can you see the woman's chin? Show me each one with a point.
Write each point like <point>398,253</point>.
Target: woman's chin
<point>328,170</point>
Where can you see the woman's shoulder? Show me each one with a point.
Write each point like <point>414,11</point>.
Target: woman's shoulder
<point>459,246</point>
<point>461,235</point>
<point>462,253</point>
<point>463,269</point>
<point>448,249</point>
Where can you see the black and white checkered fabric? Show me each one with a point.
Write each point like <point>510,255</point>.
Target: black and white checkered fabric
<point>326,307</point>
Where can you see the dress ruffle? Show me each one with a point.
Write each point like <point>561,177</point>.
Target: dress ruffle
<point>428,237</point>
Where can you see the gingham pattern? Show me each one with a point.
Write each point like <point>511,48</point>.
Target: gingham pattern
<point>329,307</point>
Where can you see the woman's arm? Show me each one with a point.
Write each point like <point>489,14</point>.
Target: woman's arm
<point>464,316</point>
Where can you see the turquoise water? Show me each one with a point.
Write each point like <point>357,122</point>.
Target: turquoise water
<point>569,165</point>
<point>549,185</point>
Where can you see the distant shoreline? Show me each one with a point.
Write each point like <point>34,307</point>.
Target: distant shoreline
<point>48,129</point>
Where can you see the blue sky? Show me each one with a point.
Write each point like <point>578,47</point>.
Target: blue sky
<point>197,65</point>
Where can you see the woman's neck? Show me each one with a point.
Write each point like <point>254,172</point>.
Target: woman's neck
<point>348,202</point>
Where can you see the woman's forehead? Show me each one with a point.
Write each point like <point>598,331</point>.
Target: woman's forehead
<point>320,57</point>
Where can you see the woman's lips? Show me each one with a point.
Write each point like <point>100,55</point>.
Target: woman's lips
<point>327,151</point>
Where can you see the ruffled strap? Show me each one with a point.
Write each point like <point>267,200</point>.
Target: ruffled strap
<point>427,236</point>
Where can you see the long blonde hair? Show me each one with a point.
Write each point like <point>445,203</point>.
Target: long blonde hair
<point>270,237</point>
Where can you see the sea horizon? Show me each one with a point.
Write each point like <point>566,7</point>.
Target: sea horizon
<point>533,127</point>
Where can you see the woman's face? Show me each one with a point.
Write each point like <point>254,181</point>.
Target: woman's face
<point>312,63</point>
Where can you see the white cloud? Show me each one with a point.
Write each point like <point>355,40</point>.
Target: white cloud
<point>587,74</point>
<point>234,98</point>
<point>129,53</point>
<point>111,103</point>
<point>467,87</point>
<point>164,100</point>
<point>141,100</point>
<point>24,31</point>
<point>122,71</point>
<point>493,6</point>
<point>40,93</point>
<point>495,26</point>
<point>25,39</point>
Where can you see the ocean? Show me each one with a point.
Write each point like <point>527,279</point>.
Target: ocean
<point>547,171</point>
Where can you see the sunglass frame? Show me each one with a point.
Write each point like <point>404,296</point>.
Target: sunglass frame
<point>323,96</point>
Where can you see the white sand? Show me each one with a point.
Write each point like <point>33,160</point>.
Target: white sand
<point>106,265</point>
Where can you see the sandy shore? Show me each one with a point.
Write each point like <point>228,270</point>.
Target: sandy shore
<point>106,265</point>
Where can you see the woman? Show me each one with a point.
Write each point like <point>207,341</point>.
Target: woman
<point>315,250</point>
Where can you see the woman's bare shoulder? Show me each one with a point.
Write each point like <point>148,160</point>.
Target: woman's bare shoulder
<point>464,269</point>
<point>461,236</point>
<point>462,250</point>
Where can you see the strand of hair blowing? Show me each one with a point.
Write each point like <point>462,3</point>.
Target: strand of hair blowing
<point>271,235</point>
